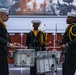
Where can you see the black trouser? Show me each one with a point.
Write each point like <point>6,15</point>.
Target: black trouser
<point>69,66</point>
<point>4,70</point>
<point>33,70</point>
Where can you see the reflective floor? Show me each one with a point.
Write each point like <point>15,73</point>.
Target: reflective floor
<point>26,70</point>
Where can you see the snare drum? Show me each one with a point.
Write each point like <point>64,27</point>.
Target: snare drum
<point>24,57</point>
<point>45,63</point>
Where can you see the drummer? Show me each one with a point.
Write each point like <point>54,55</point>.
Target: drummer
<point>35,39</point>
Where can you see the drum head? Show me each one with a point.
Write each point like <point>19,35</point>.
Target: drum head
<point>24,50</point>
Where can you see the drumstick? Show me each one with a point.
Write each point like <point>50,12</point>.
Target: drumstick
<point>53,47</point>
<point>17,45</point>
<point>48,42</point>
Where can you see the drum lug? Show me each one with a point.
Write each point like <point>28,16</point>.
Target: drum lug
<point>52,67</point>
<point>23,62</point>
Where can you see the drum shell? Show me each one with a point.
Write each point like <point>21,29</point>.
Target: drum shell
<point>45,63</point>
<point>24,57</point>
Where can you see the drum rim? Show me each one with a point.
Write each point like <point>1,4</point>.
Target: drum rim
<point>24,50</point>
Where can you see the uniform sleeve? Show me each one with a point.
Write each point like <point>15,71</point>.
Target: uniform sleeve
<point>45,38</point>
<point>2,40</point>
<point>72,35</point>
<point>28,40</point>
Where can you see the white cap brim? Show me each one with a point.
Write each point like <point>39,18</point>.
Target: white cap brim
<point>4,10</point>
<point>36,21</point>
<point>73,14</point>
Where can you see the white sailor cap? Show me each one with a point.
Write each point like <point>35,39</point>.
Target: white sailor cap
<point>36,21</point>
<point>73,14</point>
<point>4,10</point>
